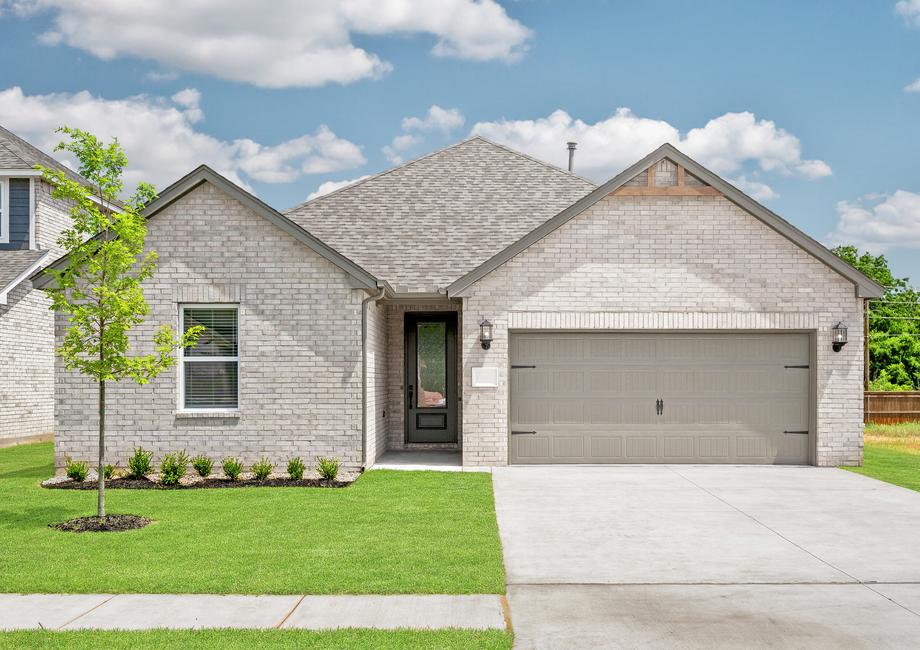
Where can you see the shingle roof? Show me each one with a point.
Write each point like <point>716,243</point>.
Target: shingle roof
<point>16,153</point>
<point>424,224</point>
<point>13,264</point>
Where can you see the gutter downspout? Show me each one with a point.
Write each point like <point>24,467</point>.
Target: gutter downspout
<point>364,304</point>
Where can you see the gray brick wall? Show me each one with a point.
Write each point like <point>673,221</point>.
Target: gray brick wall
<point>27,337</point>
<point>377,371</point>
<point>52,217</point>
<point>300,346</point>
<point>665,263</point>
<point>26,365</point>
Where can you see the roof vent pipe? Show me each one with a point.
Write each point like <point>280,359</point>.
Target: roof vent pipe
<point>572,146</point>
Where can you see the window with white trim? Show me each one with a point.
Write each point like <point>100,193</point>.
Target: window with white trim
<point>209,372</point>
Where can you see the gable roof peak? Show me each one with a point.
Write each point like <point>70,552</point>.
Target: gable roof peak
<point>865,286</point>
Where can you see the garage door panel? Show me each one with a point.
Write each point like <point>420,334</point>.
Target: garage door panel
<point>567,350</point>
<point>569,447</point>
<point>531,411</point>
<point>568,412</point>
<point>714,447</point>
<point>531,448</point>
<point>609,447</point>
<point>642,448</point>
<point>679,447</point>
<point>727,398</point>
<point>625,349</point>
<point>569,382</point>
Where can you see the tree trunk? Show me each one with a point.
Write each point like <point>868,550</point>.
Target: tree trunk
<point>101,482</point>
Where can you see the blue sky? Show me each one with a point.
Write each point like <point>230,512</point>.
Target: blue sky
<point>805,105</point>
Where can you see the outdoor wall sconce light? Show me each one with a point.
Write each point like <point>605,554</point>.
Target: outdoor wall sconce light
<point>485,334</point>
<point>839,336</point>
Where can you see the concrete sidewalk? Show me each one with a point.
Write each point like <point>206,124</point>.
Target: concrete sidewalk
<point>196,611</point>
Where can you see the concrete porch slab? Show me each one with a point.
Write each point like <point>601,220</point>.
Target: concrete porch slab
<point>437,460</point>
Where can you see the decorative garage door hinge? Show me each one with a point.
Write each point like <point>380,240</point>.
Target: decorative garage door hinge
<point>805,366</point>
<point>804,433</point>
<point>513,366</point>
<point>522,433</point>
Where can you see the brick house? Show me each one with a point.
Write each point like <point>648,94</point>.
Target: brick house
<point>481,300</point>
<point>30,225</point>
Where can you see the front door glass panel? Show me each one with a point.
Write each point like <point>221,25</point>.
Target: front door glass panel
<point>431,364</point>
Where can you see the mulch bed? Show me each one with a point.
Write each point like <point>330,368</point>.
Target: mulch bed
<point>205,483</point>
<point>109,523</point>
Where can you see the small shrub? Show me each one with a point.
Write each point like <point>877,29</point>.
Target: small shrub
<point>173,468</point>
<point>77,470</point>
<point>140,464</point>
<point>232,468</point>
<point>262,469</point>
<point>296,468</point>
<point>203,465</point>
<point>108,471</point>
<point>328,468</point>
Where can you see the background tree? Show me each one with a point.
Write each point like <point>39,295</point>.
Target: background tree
<point>100,289</point>
<point>894,325</point>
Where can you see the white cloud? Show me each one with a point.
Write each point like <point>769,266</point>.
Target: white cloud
<point>437,119</point>
<point>440,119</point>
<point>913,87</point>
<point>879,223</point>
<point>291,43</point>
<point>162,142</point>
<point>332,186</point>
<point>909,10</point>
<point>754,188</point>
<point>726,144</point>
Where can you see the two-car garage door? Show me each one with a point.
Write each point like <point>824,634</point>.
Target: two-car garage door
<point>659,398</point>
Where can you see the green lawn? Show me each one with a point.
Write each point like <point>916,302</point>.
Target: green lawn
<point>892,454</point>
<point>390,532</point>
<point>257,639</point>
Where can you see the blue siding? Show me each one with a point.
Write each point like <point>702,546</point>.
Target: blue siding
<point>19,214</point>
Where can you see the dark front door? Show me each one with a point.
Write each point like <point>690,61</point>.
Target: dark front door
<point>431,377</point>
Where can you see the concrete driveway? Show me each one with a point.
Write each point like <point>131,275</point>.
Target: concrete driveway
<point>708,556</point>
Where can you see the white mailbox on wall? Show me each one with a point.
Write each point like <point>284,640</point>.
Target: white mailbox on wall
<point>485,377</point>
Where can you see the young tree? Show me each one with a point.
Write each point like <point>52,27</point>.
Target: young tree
<point>100,289</point>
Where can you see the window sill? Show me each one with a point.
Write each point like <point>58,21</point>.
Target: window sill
<point>204,414</point>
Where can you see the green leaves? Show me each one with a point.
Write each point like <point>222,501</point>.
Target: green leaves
<point>894,324</point>
<point>100,291</point>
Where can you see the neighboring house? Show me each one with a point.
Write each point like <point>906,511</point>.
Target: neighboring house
<point>663,316</point>
<point>30,225</point>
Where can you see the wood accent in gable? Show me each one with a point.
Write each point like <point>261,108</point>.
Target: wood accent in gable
<point>651,189</point>
<point>673,190</point>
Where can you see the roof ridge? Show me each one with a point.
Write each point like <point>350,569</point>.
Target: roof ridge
<point>551,166</point>
<point>379,174</point>
<point>41,157</point>
<point>471,138</point>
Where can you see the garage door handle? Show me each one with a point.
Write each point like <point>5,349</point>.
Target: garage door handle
<point>522,433</point>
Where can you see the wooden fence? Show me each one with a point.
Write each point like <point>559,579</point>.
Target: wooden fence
<point>891,407</point>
